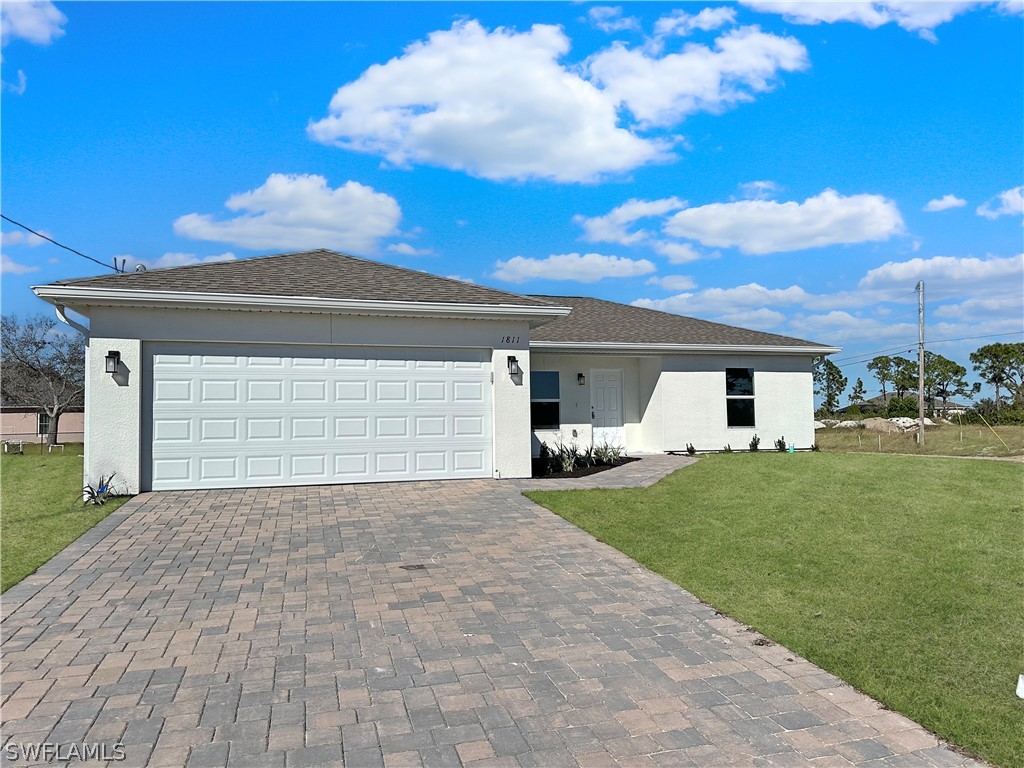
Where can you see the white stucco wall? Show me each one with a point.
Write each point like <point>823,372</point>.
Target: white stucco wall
<point>692,390</point>
<point>114,412</point>
<point>638,379</point>
<point>669,401</point>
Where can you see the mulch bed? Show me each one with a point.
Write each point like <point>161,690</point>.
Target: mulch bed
<point>584,471</point>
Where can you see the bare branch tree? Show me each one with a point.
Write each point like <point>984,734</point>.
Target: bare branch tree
<point>42,366</point>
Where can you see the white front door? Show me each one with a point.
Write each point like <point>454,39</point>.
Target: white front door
<point>236,415</point>
<point>606,407</point>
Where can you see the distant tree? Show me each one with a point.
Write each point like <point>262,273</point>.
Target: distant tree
<point>901,406</point>
<point>42,366</point>
<point>884,370</point>
<point>1002,366</point>
<point>904,376</point>
<point>829,383</point>
<point>945,378</point>
<point>857,395</point>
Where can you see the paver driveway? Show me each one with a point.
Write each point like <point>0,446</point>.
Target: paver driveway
<point>450,623</point>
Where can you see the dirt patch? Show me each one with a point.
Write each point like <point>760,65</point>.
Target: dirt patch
<point>582,471</point>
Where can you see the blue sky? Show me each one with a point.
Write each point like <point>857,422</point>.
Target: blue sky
<point>794,168</point>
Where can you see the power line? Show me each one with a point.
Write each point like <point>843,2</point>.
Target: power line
<point>871,355</point>
<point>59,245</point>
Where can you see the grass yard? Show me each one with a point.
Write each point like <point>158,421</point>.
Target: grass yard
<point>945,440</point>
<point>41,510</point>
<point>902,575</point>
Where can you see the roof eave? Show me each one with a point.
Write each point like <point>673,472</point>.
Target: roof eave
<point>663,349</point>
<point>80,298</point>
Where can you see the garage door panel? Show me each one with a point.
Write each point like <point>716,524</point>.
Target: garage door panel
<point>351,426</point>
<point>237,415</point>
<point>217,430</point>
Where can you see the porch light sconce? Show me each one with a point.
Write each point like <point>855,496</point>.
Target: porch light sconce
<point>112,361</point>
<point>581,379</point>
<point>513,366</point>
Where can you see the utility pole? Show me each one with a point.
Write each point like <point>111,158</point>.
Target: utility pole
<point>920,363</point>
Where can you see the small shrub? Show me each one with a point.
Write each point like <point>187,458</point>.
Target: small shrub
<point>586,457</point>
<point>99,493</point>
<point>727,449</point>
<point>567,457</point>
<point>606,453</point>
<point>780,444</point>
<point>544,459</point>
<point>755,443</point>
<point>690,449</point>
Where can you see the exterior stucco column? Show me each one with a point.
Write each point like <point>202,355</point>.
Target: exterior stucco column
<point>113,415</point>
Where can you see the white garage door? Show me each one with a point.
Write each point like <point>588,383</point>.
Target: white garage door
<point>224,416</point>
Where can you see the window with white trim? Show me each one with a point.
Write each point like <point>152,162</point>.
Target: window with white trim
<point>739,397</point>
<point>44,423</point>
<point>545,404</point>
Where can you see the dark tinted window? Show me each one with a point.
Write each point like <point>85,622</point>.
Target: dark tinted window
<point>544,385</point>
<point>544,415</point>
<point>740,412</point>
<point>739,381</point>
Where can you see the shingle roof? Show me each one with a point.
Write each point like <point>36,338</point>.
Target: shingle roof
<point>318,274</point>
<point>595,321</point>
<point>325,274</point>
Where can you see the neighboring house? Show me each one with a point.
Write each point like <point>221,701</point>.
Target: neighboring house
<point>313,368</point>
<point>31,424</point>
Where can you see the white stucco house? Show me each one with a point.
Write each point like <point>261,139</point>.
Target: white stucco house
<point>315,367</point>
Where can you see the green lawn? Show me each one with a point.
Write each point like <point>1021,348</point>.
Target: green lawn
<point>41,510</point>
<point>902,575</point>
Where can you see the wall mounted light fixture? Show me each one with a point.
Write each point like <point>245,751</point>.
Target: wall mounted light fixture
<point>112,361</point>
<point>513,366</point>
<point>581,379</point>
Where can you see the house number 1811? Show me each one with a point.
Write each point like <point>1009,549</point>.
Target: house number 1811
<point>509,339</point>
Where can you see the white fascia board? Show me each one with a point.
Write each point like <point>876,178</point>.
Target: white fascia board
<point>79,296</point>
<point>677,349</point>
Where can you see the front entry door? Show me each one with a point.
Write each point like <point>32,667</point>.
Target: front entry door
<point>606,407</point>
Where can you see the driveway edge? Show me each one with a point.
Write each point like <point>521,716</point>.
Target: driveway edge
<point>14,599</point>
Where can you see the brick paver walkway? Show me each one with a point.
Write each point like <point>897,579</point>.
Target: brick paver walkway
<point>437,624</point>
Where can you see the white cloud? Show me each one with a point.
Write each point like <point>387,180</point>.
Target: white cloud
<point>9,266</point>
<point>673,282</point>
<point>763,226</point>
<point>19,87</point>
<point>614,226</point>
<point>1010,203</point>
<point>405,249</point>
<point>681,23</point>
<point>610,19</point>
<point>983,309</point>
<point>493,104</point>
<point>714,301</point>
<point>663,90</point>
<point>950,272</point>
<point>16,237</point>
<point>944,203</point>
<point>298,212</point>
<point>461,279</point>
<point>761,319</point>
<point>759,190</point>
<point>678,253</point>
<point>39,23</point>
<point>173,259</point>
<point>582,268</point>
<point>911,15</point>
